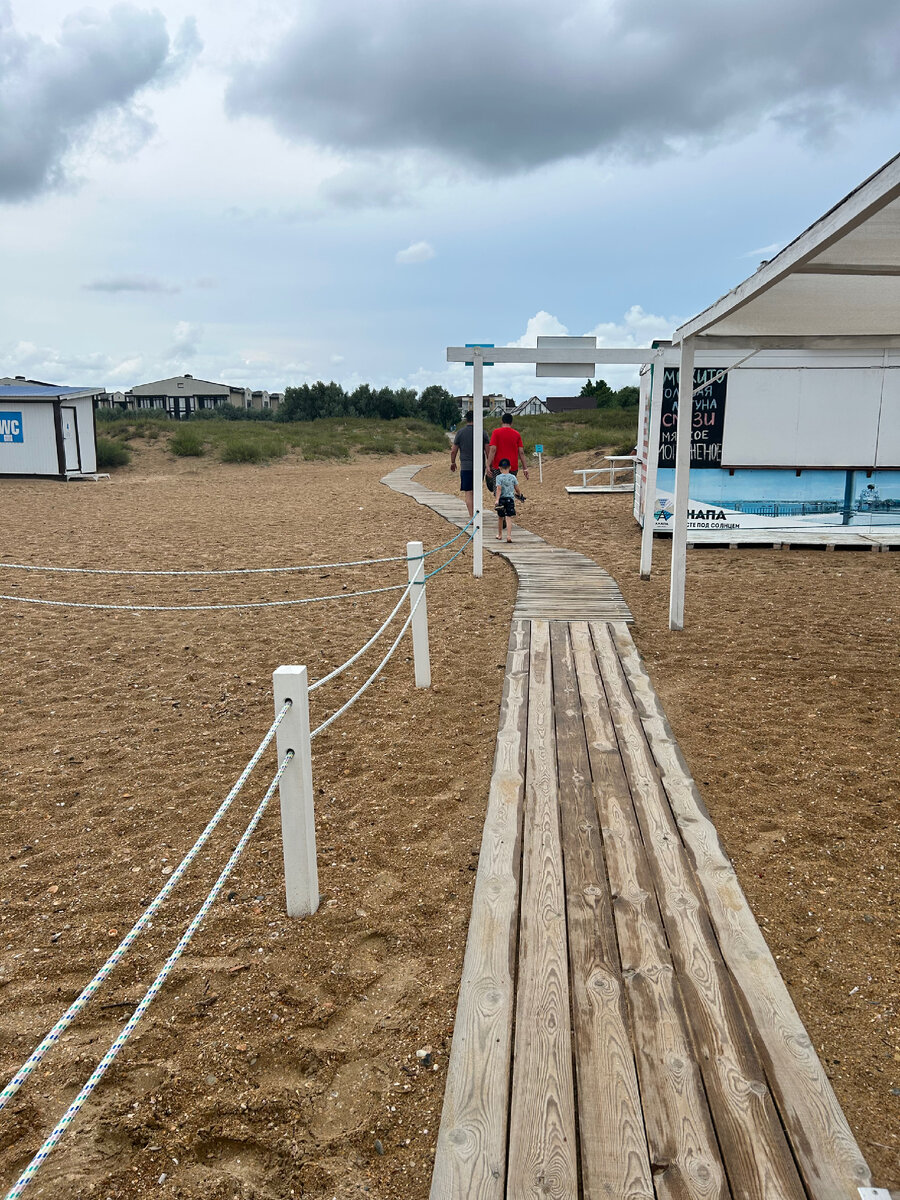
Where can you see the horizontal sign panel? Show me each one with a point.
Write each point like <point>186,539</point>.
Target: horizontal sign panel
<point>551,354</point>
<point>564,370</point>
<point>548,342</point>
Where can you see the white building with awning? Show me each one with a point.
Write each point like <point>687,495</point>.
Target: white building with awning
<point>834,290</point>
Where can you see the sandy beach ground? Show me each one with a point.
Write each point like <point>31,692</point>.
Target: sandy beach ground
<point>281,1057</point>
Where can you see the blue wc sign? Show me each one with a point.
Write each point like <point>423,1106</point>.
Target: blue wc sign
<point>11,427</point>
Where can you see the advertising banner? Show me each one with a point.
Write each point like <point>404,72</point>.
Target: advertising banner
<point>776,499</point>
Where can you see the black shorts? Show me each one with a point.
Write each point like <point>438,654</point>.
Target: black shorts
<point>506,507</point>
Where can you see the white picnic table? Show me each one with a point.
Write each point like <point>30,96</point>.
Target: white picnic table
<point>612,465</point>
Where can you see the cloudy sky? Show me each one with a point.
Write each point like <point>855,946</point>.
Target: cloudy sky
<point>268,192</point>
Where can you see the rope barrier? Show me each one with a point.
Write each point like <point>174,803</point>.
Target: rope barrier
<point>78,1004</point>
<point>372,640</point>
<point>356,695</point>
<point>82,1000</point>
<point>449,542</point>
<point>437,571</point>
<point>396,587</point>
<point>149,996</point>
<point>360,562</point>
<point>406,624</point>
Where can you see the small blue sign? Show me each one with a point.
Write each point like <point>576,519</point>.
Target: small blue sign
<point>539,449</point>
<point>482,346</point>
<point>11,427</point>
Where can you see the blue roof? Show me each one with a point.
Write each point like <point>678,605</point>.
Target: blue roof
<point>31,391</point>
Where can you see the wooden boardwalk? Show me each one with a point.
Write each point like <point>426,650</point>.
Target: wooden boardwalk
<point>622,1032</point>
<point>552,582</point>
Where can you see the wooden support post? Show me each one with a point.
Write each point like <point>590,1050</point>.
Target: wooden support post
<point>649,497</point>
<point>684,430</point>
<point>421,654</point>
<point>477,459</point>
<point>298,828</point>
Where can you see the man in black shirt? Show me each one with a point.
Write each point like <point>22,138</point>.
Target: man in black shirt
<point>462,446</point>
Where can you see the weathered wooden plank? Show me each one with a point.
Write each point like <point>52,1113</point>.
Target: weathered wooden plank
<point>613,1145</point>
<point>542,1145</point>
<point>684,1156</point>
<point>754,1149</point>
<point>830,1160</point>
<point>470,1158</point>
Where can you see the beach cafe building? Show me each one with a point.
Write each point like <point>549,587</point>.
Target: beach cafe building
<point>791,385</point>
<point>790,439</point>
<point>47,431</point>
<point>810,347</point>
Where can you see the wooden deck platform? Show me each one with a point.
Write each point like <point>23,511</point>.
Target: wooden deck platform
<point>826,537</point>
<point>622,1032</point>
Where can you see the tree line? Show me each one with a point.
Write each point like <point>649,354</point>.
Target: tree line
<point>626,397</point>
<point>312,400</point>
<point>435,404</point>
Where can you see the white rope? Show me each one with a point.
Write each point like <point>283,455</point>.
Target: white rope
<point>396,642</point>
<point>372,640</point>
<point>356,695</point>
<point>396,587</point>
<point>77,1005</point>
<point>149,996</point>
<point>361,562</point>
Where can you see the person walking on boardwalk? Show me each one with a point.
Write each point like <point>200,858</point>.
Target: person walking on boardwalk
<point>463,447</point>
<point>506,442</point>
<point>506,491</point>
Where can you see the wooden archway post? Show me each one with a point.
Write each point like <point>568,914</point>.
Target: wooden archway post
<point>684,429</point>
<point>650,467</point>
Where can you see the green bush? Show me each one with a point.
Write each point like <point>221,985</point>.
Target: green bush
<point>318,448</point>
<point>379,445</point>
<point>186,443</point>
<point>112,454</point>
<point>242,451</point>
<point>251,449</point>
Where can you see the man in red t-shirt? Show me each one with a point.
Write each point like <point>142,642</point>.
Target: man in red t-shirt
<point>506,442</point>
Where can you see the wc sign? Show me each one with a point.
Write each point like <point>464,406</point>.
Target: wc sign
<point>11,427</point>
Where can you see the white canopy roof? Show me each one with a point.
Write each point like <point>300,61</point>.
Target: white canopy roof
<point>840,279</point>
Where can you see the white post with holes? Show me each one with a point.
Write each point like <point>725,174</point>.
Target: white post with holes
<point>421,653</point>
<point>298,827</point>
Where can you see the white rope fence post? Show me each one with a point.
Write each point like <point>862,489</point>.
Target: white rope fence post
<point>298,827</point>
<point>419,610</point>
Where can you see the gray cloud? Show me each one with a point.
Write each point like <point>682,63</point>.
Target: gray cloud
<point>131,283</point>
<point>52,94</point>
<point>187,336</point>
<point>520,83</point>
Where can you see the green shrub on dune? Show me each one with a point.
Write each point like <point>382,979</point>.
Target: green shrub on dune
<point>186,443</point>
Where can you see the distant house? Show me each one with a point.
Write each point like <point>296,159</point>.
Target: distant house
<point>266,400</point>
<point>558,404</point>
<point>533,407</point>
<point>182,395</point>
<point>494,405</point>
